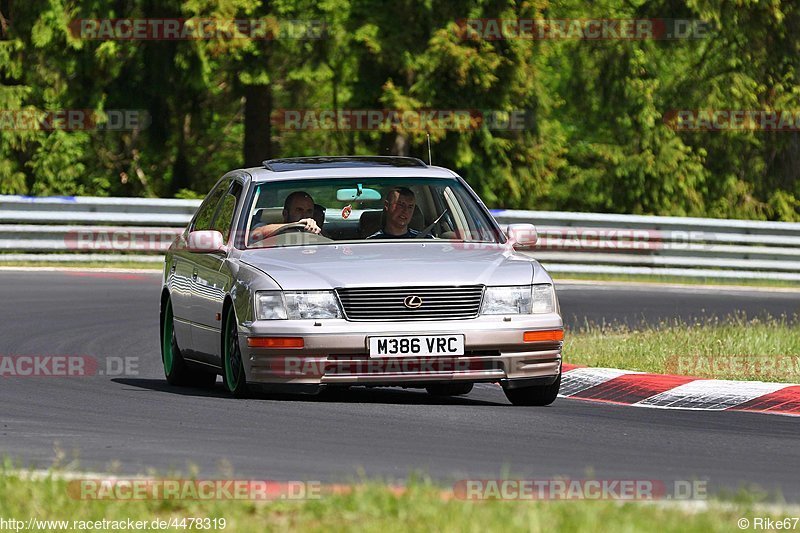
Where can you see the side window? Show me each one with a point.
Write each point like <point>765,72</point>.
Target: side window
<point>206,212</point>
<point>224,219</point>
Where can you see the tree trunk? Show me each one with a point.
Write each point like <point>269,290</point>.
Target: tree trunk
<point>181,169</point>
<point>5,17</point>
<point>393,143</point>
<point>257,127</point>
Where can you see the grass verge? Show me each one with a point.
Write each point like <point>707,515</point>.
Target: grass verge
<point>766,349</point>
<point>679,280</point>
<point>373,507</point>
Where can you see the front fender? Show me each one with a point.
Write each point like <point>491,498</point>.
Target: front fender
<point>247,280</point>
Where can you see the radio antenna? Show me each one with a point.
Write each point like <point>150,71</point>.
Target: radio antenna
<point>430,159</point>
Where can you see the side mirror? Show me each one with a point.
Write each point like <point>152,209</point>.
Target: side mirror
<point>522,235</point>
<point>206,241</point>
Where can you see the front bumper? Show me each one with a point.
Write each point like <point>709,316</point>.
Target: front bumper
<point>335,352</point>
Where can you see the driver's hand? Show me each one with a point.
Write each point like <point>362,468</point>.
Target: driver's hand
<point>257,234</point>
<point>311,225</point>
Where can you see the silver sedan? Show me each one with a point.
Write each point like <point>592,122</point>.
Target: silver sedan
<point>316,273</point>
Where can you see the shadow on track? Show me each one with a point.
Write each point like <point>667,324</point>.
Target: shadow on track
<point>396,396</point>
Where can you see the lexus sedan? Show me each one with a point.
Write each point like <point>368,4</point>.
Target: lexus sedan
<point>320,273</point>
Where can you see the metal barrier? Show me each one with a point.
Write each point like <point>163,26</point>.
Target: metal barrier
<point>65,229</point>
<point>57,229</point>
<point>673,246</point>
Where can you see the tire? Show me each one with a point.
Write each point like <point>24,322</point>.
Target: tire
<point>176,370</point>
<point>449,389</point>
<point>233,375</point>
<point>539,396</point>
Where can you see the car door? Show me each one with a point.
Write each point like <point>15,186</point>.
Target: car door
<point>211,282</point>
<point>182,267</point>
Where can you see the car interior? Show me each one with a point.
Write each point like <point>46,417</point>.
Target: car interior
<point>355,214</point>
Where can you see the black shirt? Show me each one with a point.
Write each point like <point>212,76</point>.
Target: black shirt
<point>410,234</point>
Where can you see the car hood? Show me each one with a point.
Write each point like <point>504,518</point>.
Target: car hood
<point>391,264</point>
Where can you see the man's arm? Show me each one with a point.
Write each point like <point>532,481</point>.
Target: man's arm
<point>269,230</point>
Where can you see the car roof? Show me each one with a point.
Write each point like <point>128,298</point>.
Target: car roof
<point>347,161</point>
<point>322,167</point>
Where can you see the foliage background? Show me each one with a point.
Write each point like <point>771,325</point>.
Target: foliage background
<point>596,139</point>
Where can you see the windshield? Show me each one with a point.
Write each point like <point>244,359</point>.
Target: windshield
<point>324,211</point>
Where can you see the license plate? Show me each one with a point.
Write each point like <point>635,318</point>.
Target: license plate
<point>416,345</point>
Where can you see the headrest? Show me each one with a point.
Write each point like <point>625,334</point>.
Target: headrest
<point>319,214</point>
<point>417,220</point>
<point>269,215</point>
<point>370,223</point>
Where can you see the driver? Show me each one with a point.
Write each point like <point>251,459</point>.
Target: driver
<point>298,207</point>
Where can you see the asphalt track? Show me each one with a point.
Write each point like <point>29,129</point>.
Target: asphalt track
<point>135,422</point>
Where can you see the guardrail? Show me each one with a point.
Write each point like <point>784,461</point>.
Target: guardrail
<point>57,229</point>
<point>673,246</point>
<point>63,229</point>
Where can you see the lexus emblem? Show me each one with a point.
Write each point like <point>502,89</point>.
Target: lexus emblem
<point>412,302</point>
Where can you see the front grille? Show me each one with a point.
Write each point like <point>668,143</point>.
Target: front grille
<point>387,303</point>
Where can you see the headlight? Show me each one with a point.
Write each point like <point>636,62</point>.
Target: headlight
<point>312,304</point>
<point>295,305</point>
<point>270,306</point>
<point>544,298</point>
<point>519,300</point>
<point>507,300</point>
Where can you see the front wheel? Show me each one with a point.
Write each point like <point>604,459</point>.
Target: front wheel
<point>539,395</point>
<point>176,370</point>
<point>232,364</point>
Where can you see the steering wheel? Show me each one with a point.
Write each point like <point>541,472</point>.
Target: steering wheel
<point>427,231</point>
<point>294,226</point>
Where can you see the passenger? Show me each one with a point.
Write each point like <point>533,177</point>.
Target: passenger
<point>398,208</point>
<point>298,207</point>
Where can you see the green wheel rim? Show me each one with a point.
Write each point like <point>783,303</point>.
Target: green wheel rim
<point>233,356</point>
<point>168,340</point>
